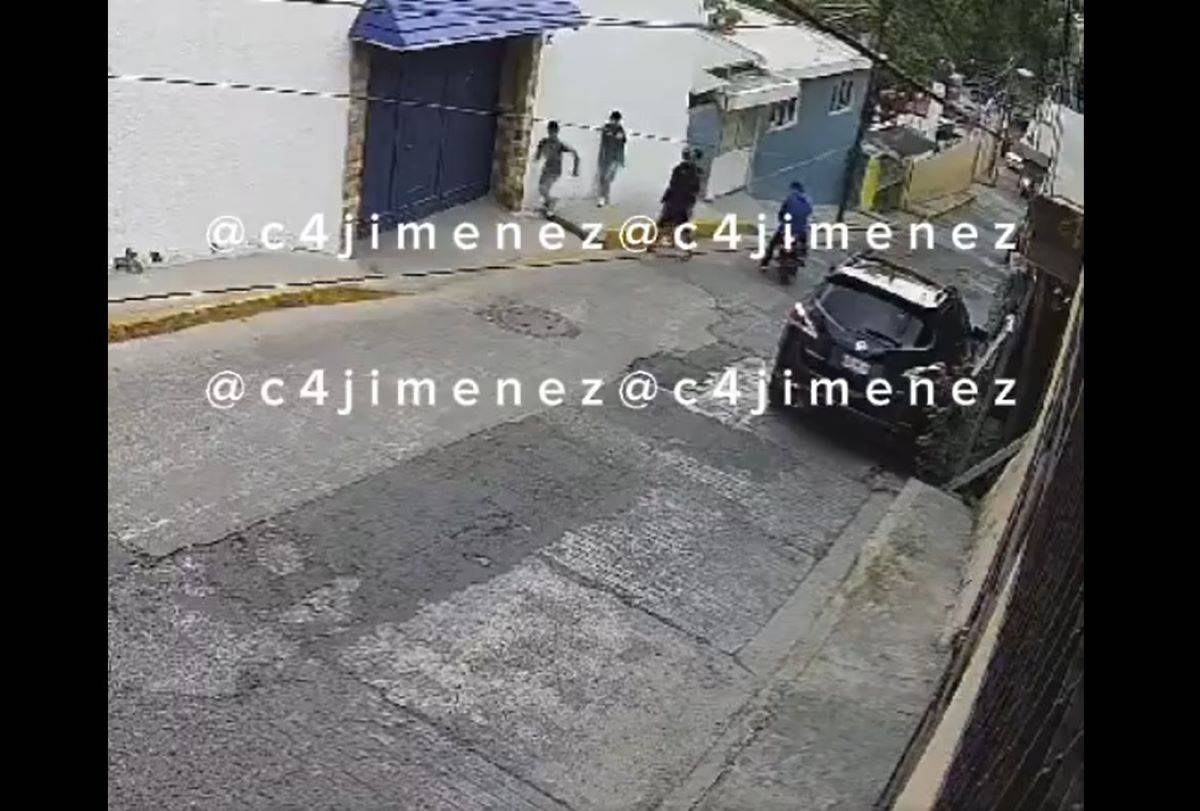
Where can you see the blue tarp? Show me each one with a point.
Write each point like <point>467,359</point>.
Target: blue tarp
<point>404,25</point>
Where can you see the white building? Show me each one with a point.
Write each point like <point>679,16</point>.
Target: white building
<point>645,73</point>
<point>434,103</point>
<point>783,104</point>
<point>437,72</point>
<point>180,155</point>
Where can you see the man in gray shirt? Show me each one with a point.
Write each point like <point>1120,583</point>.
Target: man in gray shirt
<point>612,155</point>
<point>551,149</point>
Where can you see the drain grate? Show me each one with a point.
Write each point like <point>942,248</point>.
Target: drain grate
<point>525,319</point>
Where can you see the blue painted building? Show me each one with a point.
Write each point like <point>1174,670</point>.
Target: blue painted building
<point>815,147</point>
<point>785,106</point>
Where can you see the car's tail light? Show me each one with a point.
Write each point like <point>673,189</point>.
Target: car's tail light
<point>799,316</point>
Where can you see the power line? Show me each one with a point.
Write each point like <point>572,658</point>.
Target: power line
<point>180,81</point>
<point>338,95</point>
<point>804,17</point>
<point>348,96</point>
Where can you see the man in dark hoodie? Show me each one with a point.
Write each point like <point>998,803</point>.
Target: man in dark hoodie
<point>800,208</point>
<point>682,190</point>
<point>680,197</point>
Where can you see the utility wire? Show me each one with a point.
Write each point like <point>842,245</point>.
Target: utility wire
<point>180,81</point>
<point>879,59</point>
<point>292,91</point>
<point>802,16</point>
<point>367,4</point>
<point>337,95</point>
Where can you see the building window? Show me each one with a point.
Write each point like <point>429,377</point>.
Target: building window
<point>740,129</point>
<point>782,114</point>
<point>843,97</point>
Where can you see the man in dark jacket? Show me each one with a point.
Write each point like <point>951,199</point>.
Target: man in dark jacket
<point>612,155</point>
<point>681,193</point>
<point>800,208</point>
<point>680,197</point>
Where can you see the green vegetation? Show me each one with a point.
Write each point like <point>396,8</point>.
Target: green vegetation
<point>980,38</point>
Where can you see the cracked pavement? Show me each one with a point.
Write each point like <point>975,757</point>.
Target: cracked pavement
<point>485,607</point>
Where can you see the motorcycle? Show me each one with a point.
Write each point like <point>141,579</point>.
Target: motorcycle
<point>788,262</point>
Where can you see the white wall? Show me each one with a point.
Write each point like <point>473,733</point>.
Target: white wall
<point>646,74</point>
<point>180,156</point>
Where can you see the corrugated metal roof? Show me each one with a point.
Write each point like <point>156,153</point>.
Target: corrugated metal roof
<point>413,24</point>
<point>796,50</point>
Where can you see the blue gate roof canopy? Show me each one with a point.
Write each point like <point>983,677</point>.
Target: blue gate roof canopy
<point>412,24</point>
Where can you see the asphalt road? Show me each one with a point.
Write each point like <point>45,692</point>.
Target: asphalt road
<point>463,607</point>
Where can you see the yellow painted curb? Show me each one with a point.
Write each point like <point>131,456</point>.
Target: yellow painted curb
<point>144,324</point>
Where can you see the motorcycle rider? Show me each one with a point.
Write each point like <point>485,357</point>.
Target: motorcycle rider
<point>800,208</point>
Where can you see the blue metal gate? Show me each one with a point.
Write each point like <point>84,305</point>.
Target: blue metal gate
<point>430,148</point>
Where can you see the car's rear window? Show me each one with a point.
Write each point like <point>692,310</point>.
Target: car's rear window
<point>859,310</point>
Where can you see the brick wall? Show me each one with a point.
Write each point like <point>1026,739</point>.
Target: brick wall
<point>514,128</point>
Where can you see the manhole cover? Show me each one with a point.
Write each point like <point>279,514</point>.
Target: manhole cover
<point>528,320</point>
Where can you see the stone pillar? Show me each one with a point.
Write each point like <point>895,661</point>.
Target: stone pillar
<point>514,127</point>
<point>356,136</point>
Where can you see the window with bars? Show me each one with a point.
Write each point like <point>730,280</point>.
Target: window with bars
<point>843,97</point>
<point>782,114</point>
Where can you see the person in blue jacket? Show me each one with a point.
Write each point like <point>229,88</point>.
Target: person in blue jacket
<point>800,207</point>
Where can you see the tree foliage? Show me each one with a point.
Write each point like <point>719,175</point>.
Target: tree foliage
<point>981,38</point>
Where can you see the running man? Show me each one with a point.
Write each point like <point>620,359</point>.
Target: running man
<point>551,149</point>
<point>680,197</point>
<point>612,155</point>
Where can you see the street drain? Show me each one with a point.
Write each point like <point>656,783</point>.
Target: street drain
<point>537,322</point>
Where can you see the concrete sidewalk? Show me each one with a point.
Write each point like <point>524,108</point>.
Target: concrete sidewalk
<point>520,242</point>
<point>830,726</point>
<point>505,239</point>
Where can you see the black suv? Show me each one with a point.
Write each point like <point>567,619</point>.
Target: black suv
<point>869,320</point>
